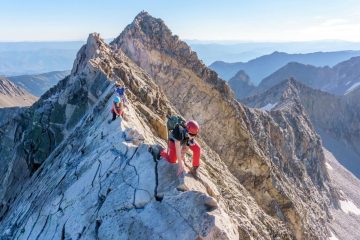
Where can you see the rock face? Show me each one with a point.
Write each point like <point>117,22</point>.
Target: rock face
<point>339,80</point>
<point>12,95</point>
<point>277,157</point>
<point>99,182</point>
<point>6,114</point>
<point>38,84</point>
<point>346,217</point>
<point>261,67</point>
<point>241,85</point>
<point>335,118</point>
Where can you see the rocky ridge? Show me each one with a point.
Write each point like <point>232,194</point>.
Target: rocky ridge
<point>346,217</point>
<point>336,118</point>
<point>269,153</point>
<point>99,182</point>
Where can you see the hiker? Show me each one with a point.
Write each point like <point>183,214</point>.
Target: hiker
<point>181,138</point>
<point>117,108</point>
<point>120,91</point>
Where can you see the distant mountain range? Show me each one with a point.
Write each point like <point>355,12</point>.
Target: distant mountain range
<point>39,83</point>
<point>263,66</point>
<point>19,58</point>
<point>35,62</point>
<point>235,51</point>
<point>340,79</point>
<point>336,118</point>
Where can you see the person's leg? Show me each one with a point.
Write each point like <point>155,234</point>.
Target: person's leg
<point>195,148</point>
<point>113,116</point>
<point>121,113</point>
<point>171,156</point>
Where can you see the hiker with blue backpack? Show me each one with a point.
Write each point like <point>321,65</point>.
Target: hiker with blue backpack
<point>181,138</point>
<point>120,91</point>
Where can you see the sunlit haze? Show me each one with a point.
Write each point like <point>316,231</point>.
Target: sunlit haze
<point>281,20</point>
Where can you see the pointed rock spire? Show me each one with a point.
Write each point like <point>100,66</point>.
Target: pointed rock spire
<point>93,47</point>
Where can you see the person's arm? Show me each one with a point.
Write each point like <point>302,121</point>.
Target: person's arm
<point>179,157</point>
<point>122,106</point>
<point>184,150</point>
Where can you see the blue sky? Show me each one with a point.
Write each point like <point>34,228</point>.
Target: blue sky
<point>265,20</point>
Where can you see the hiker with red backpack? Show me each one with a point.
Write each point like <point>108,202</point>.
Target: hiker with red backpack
<point>181,138</point>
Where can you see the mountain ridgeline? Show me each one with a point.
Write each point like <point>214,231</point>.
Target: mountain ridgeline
<point>38,84</point>
<point>336,118</point>
<point>69,174</point>
<point>12,95</point>
<point>263,66</point>
<point>339,80</point>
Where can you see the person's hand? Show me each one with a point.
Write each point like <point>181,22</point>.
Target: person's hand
<point>180,168</point>
<point>183,152</point>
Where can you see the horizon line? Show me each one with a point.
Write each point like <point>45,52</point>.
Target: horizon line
<point>193,40</point>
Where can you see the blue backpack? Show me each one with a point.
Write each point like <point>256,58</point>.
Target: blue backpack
<point>120,91</point>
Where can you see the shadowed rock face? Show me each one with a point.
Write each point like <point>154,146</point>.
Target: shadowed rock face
<point>241,85</point>
<point>336,118</point>
<point>12,95</point>
<point>277,157</point>
<point>100,182</point>
<point>6,114</point>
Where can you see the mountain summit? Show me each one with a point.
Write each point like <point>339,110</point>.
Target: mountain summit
<point>152,33</point>
<point>241,136</point>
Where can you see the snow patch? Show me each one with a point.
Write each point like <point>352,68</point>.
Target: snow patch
<point>350,89</point>
<point>328,166</point>
<point>333,236</point>
<point>349,207</point>
<point>269,106</point>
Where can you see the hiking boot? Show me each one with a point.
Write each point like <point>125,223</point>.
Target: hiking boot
<point>155,151</point>
<point>193,171</point>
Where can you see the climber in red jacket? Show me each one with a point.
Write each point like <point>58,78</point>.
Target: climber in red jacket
<point>117,109</point>
<point>180,139</point>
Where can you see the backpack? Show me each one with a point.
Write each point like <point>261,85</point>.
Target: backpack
<point>173,121</point>
<point>120,91</point>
